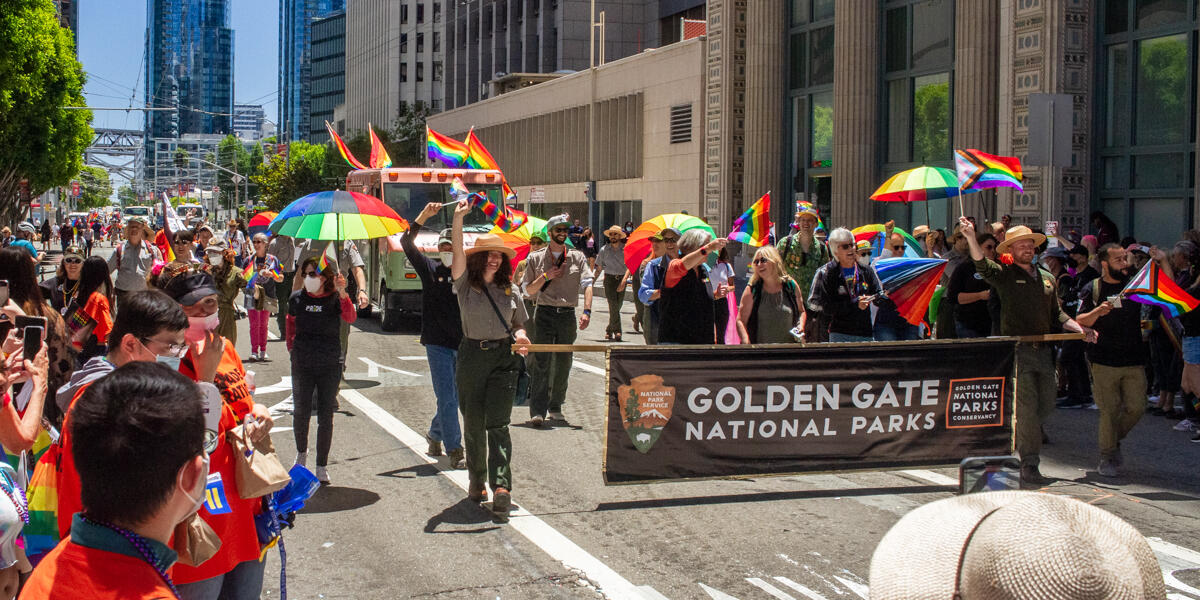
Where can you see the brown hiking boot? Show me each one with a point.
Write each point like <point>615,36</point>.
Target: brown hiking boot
<point>435,447</point>
<point>501,502</point>
<point>477,492</point>
<point>458,459</point>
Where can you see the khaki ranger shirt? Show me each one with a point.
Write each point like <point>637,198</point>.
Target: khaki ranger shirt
<point>479,319</point>
<point>562,291</point>
<point>1028,304</point>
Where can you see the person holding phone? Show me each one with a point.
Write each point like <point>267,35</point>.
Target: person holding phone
<point>844,289</point>
<point>315,315</point>
<point>20,285</point>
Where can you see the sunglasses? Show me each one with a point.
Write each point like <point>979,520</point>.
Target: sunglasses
<point>900,247</point>
<point>761,261</point>
<point>72,261</point>
<point>865,253</point>
<point>560,230</point>
<point>670,240</point>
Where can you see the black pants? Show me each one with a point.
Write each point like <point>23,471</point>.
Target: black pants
<point>324,381</point>
<point>1075,369</point>
<point>721,311</point>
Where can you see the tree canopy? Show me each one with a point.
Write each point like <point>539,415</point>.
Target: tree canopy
<point>95,189</point>
<point>39,75</point>
<point>284,179</point>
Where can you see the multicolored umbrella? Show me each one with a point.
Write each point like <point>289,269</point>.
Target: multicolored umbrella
<point>637,247</point>
<point>910,283</point>
<point>919,184</point>
<point>519,239</point>
<point>260,222</point>
<point>874,234</point>
<point>337,215</point>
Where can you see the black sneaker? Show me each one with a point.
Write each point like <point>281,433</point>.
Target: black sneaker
<point>1032,478</point>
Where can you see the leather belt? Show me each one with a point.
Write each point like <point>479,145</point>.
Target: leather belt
<point>556,308</point>
<point>488,344</point>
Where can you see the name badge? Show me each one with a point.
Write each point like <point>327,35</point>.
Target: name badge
<point>214,496</point>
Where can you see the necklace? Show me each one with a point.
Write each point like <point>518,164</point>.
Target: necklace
<point>21,504</point>
<point>140,544</point>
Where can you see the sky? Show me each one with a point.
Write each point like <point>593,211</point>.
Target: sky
<point>111,45</point>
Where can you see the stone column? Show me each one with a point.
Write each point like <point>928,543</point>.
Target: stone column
<point>766,37</point>
<point>855,113</point>
<point>976,84</point>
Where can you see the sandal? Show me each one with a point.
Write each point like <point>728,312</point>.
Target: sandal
<point>607,335</point>
<point>616,337</point>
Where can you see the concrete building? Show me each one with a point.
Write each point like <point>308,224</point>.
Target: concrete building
<point>328,73</point>
<point>296,19</point>
<point>162,173</point>
<point>248,120</point>
<point>648,136</point>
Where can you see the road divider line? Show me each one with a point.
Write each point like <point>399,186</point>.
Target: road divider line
<point>553,543</point>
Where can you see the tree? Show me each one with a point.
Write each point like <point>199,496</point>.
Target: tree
<point>232,155</point>
<point>281,180</point>
<point>407,136</point>
<point>43,142</point>
<point>126,195</point>
<point>94,187</point>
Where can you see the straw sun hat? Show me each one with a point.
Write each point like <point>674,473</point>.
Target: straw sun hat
<point>1014,545</point>
<point>489,242</point>
<point>1018,233</point>
<point>615,233</point>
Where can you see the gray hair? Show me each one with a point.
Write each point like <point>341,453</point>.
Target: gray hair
<point>841,235</point>
<point>692,240</point>
<point>259,237</point>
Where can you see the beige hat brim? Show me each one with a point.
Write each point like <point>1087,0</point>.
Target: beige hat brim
<point>1037,238</point>
<point>501,248</point>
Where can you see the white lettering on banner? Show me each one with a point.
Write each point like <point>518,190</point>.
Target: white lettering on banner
<point>787,428</point>
<point>894,423</point>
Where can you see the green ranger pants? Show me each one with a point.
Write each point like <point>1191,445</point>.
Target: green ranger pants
<point>487,381</point>
<point>228,323</point>
<point>1036,389</point>
<point>615,300</point>
<point>549,371</point>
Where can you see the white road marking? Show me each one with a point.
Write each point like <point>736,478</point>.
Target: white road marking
<point>558,546</point>
<point>420,358</point>
<point>770,589</point>
<point>807,592</point>
<point>271,337</point>
<point>284,385</point>
<point>582,366</point>
<point>374,367</point>
<point>280,429</point>
<point>858,588</point>
<point>281,407</point>
<point>931,477</point>
<point>715,594</point>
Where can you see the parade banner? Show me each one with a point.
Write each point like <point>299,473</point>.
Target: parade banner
<point>740,411</point>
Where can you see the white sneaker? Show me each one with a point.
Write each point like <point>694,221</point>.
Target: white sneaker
<point>322,475</point>
<point>301,459</point>
<point>1185,425</point>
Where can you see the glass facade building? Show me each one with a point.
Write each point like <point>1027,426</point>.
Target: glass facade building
<point>189,67</point>
<point>328,73</point>
<point>295,62</point>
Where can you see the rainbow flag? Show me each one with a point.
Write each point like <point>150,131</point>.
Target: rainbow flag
<point>341,146</point>
<point>449,151</point>
<point>458,189</point>
<point>505,218</point>
<point>325,261</point>
<point>478,157</point>
<point>379,155</point>
<point>980,170</point>
<point>802,204</point>
<point>250,275</point>
<point>1150,287</point>
<point>754,224</point>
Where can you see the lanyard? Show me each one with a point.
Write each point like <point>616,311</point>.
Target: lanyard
<point>142,546</point>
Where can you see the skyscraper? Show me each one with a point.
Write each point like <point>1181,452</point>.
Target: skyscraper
<point>189,67</point>
<point>295,61</point>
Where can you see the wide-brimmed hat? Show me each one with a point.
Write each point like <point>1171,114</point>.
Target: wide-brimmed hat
<point>216,245</point>
<point>190,287</point>
<point>490,242</point>
<point>1009,545</point>
<point>1018,233</point>
<point>614,233</point>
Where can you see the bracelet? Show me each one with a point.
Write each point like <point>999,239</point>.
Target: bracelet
<point>704,252</point>
<point>587,311</point>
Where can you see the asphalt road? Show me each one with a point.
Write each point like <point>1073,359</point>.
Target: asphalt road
<point>396,524</point>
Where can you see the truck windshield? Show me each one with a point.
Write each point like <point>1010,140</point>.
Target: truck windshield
<point>137,211</point>
<point>408,199</point>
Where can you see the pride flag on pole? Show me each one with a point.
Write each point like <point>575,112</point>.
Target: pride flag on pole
<point>754,226</point>
<point>478,157</point>
<point>379,154</point>
<point>980,170</point>
<point>448,151</point>
<point>341,146</point>
<point>1150,287</point>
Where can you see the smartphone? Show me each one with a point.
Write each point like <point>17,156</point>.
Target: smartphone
<point>33,340</point>
<point>23,321</point>
<point>989,474</point>
<point>3,297</point>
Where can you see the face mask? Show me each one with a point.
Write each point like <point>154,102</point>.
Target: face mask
<point>864,261</point>
<point>198,501</point>
<point>447,258</point>
<point>216,260</point>
<point>172,362</point>
<point>313,285</point>
<point>198,326</point>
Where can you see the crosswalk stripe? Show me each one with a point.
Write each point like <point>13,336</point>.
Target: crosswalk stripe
<point>807,592</point>
<point>770,589</point>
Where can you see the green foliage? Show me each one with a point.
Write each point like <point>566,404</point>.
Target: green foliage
<point>1163,90</point>
<point>95,189</point>
<point>182,158</point>
<point>282,180</point>
<point>126,195</point>
<point>39,75</point>
<point>232,155</point>
<point>931,123</point>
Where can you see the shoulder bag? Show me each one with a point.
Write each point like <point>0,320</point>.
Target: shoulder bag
<point>522,395</point>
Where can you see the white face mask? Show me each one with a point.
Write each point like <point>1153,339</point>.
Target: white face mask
<point>313,285</point>
<point>216,260</point>
<point>864,261</point>
<point>172,362</point>
<point>198,326</point>
<point>448,258</point>
<point>198,500</point>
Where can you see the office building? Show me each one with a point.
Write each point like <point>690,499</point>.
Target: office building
<point>296,19</point>
<point>189,65</point>
<point>248,120</point>
<point>328,88</point>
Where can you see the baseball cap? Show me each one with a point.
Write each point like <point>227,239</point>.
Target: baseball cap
<point>190,287</point>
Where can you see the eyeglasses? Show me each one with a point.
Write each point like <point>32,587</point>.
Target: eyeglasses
<point>72,261</point>
<point>865,253</point>
<point>900,247</point>
<point>761,261</point>
<point>670,240</point>
<point>175,350</point>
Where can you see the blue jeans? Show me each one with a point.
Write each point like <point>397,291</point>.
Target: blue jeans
<point>244,582</point>
<point>444,428</point>
<point>845,337</point>
<point>896,333</point>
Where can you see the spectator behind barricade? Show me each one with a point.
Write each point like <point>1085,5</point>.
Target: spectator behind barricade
<point>133,259</point>
<point>802,254</point>
<point>720,284</point>
<point>1072,360</point>
<point>844,289</point>
<point>229,282</point>
<point>613,273</point>
<point>771,306</point>
<point>888,325</point>
<point>652,280</point>
<point>139,451</point>
<point>1118,357</point>
<point>90,317</point>
<point>1014,546</point>
<point>686,310</point>
<point>971,294</point>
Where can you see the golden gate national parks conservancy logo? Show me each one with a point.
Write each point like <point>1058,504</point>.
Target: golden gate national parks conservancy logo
<point>645,409</point>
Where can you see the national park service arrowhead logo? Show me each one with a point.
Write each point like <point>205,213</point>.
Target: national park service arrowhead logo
<point>645,409</point>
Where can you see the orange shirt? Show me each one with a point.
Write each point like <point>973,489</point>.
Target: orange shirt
<point>72,571</point>
<point>99,309</point>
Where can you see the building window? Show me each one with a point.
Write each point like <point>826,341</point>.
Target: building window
<point>437,70</point>
<point>918,59</point>
<point>420,71</point>
<point>420,43</point>
<point>681,123</point>
<point>404,14</point>
<point>420,12</point>
<point>404,43</point>
<point>437,40</point>
<point>821,56</point>
<point>822,130</point>
<point>437,12</point>
<point>403,72</point>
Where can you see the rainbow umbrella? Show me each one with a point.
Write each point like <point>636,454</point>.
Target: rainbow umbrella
<point>337,215</point>
<point>260,222</point>
<point>637,247</point>
<point>519,239</point>
<point>910,283</point>
<point>920,184</point>
<point>874,235</point>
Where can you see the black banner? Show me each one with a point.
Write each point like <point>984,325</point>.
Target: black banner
<point>680,412</point>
